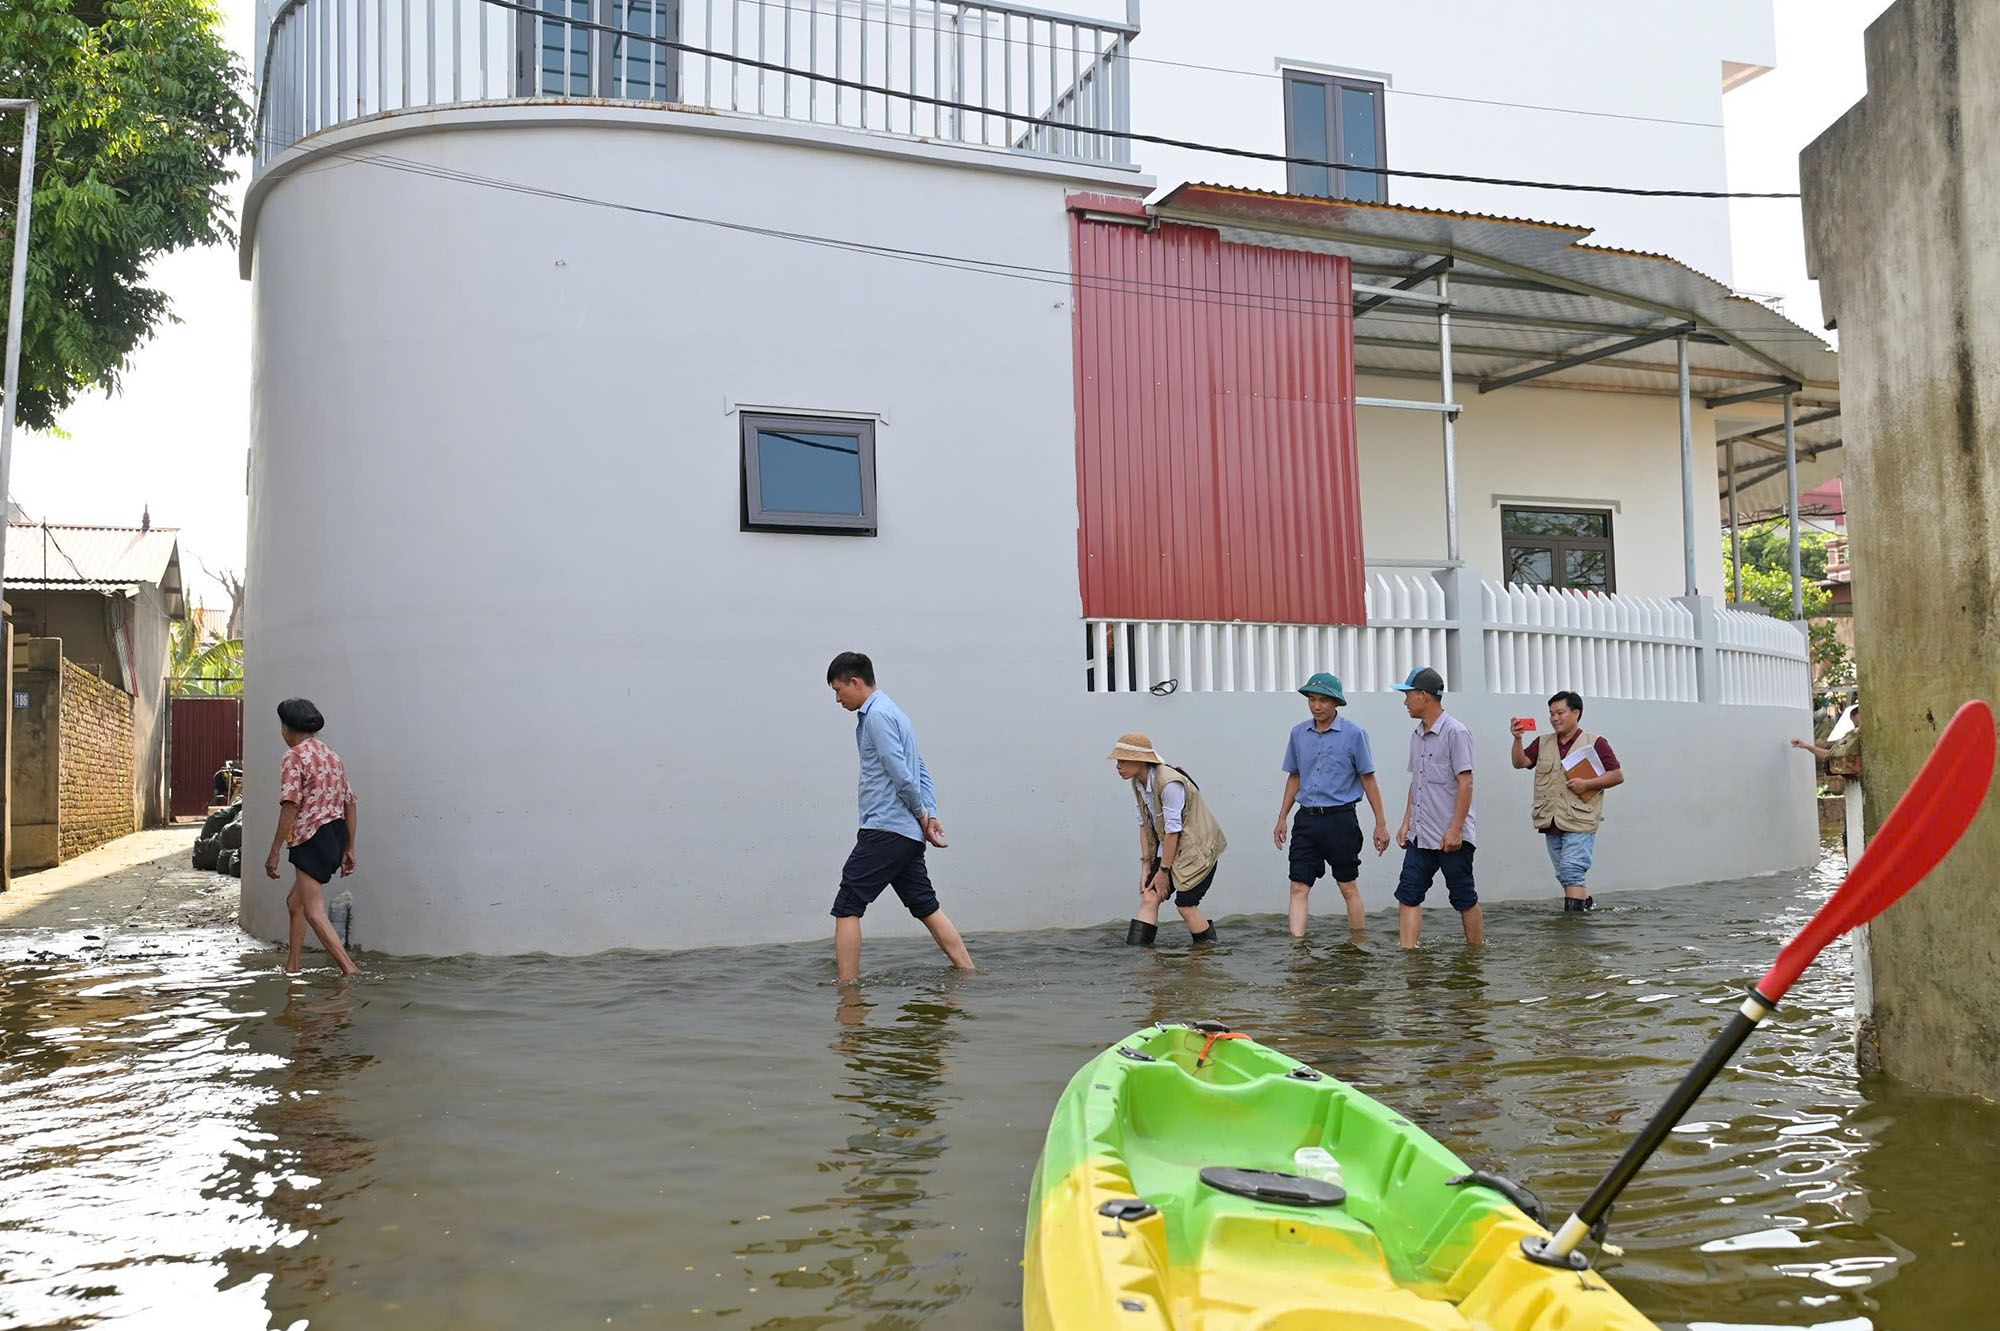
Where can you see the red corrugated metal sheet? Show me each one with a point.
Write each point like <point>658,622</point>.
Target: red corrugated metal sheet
<point>1216,468</point>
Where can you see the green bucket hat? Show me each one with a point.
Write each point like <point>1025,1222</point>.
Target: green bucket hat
<point>1325,685</point>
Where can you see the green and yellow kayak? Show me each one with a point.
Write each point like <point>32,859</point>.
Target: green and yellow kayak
<point>1180,1190</point>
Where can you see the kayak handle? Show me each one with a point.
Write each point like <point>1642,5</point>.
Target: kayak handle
<point>1523,1197</point>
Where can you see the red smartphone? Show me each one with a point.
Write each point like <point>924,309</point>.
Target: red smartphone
<point>1526,723</point>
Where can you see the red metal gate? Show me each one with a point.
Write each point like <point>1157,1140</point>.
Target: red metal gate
<point>205,733</point>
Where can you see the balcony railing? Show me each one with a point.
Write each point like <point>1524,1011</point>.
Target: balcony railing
<point>994,75</point>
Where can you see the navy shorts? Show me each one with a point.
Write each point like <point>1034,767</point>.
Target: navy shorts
<point>1420,869</point>
<point>1193,896</point>
<point>1328,840</point>
<point>885,859</point>
<point>319,855</point>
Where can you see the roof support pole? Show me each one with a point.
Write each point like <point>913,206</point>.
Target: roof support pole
<point>1687,461</point>
<point>1792,507</point>
<point>1735,532</point>
<point>10,378</point>
<point>1450,419</point>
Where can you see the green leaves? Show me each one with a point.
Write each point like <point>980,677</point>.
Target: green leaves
<point>1767,581</point>
<point>142,108</point>
<point>199,669</point>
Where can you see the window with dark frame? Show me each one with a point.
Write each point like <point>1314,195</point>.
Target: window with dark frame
<point>1332,118</point>
<point>808,473</point>
<point>1558,547</point>
<point>558,58</point>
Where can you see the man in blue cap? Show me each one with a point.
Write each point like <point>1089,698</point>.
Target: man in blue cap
<point>1329,767</point>
<point>1438,830</point>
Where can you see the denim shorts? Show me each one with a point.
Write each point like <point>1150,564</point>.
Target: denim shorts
<point>1420,869</point>
<point>1571,853</point>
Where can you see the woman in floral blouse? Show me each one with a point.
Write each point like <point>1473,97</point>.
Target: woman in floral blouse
<point>317,819</point>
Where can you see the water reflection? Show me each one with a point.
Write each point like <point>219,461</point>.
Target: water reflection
<point>725,1139</point>
<point>314,1159</point>
<point>857,1246</point>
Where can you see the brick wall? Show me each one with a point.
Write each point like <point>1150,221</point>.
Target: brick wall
<point>96,779</point>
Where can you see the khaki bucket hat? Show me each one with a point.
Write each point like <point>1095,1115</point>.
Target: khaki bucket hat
<point>1133,747</point>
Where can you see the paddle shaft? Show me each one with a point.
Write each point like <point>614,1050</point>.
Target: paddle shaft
<point>1755,1008</point>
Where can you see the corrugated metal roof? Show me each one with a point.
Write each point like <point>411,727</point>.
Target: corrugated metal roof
<point>1760,472</point>
<point>1529,278</point>
<point>1525,292</point>
<point>47,555</point>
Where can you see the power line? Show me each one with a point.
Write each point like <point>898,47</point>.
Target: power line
<point>1029,41</point>
<point>1132,136</point>
<point>1224,297</point>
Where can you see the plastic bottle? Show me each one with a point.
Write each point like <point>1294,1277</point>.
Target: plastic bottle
<point>1316,1162</point>
<point>340,914</point>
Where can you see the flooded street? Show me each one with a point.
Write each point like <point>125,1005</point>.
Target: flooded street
<point>711,1139</point>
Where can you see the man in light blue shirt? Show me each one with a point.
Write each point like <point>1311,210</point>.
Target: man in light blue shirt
<point>898,815</point>
<point>1329,769</point>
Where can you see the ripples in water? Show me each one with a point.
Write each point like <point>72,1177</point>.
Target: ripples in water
<point>718,1139</point>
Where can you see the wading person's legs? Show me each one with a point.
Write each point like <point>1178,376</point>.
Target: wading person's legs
<point>1307,862</point>
<point>307,903</point>
<point>913,889</point>
<point>1200,929</point>
<point>945,934</point>
<point>1420,867</point>
<point>847,947</point>
<point>1457,866</point>
<point>1571,853</point>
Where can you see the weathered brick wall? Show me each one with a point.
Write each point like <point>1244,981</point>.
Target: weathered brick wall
<point>96,781</point>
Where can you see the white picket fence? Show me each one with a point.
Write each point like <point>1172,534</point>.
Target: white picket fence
<point>1540,640</point>
<point>1533,641</point>
<point>1406,626</point>
<point>1761,661</point>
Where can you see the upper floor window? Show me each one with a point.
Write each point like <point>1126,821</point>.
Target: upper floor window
<point>1334,119</point>
<point>1550,547</point>
<point>562,57</point>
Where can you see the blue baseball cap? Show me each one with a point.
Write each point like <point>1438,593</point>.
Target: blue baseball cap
<point>1422,680</point>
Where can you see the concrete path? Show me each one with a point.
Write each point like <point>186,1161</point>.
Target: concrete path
<point>143,881</point>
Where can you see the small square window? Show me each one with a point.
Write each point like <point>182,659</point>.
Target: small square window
<point>808,473</point>
<point>1551,547</point>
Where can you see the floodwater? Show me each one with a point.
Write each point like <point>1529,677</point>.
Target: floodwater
<point>711,1140</point>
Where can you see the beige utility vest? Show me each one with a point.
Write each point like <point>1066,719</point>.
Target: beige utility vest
<point>1202,842</point>
<point>1554,802</point>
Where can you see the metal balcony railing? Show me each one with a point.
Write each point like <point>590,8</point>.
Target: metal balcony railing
<point>996,75</point>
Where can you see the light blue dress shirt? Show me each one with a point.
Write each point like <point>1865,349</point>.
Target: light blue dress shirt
<point>896,791</point>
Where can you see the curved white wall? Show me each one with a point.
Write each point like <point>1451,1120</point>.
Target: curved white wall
<point>494,534</point>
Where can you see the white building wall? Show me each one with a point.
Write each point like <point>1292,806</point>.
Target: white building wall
<point>1546,447</point>
<point>495,527</point>
<point>1655,73</point>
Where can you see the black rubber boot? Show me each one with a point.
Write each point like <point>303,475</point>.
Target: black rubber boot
<point>1588,903</point>
<point>1141,934</point>
<point>1571,905</point>
<point>1205,936</point>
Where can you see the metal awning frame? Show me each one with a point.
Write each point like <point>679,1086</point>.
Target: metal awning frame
<point>1607,344</point>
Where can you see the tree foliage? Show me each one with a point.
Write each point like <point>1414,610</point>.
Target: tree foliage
<point>204,669</point>
<point>142,107</point>
<point>1767,581</point>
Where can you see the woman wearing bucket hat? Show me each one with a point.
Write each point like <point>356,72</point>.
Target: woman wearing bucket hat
<point>1180,842</point>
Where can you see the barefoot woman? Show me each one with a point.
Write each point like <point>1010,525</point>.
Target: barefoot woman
<point>316,818</point>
